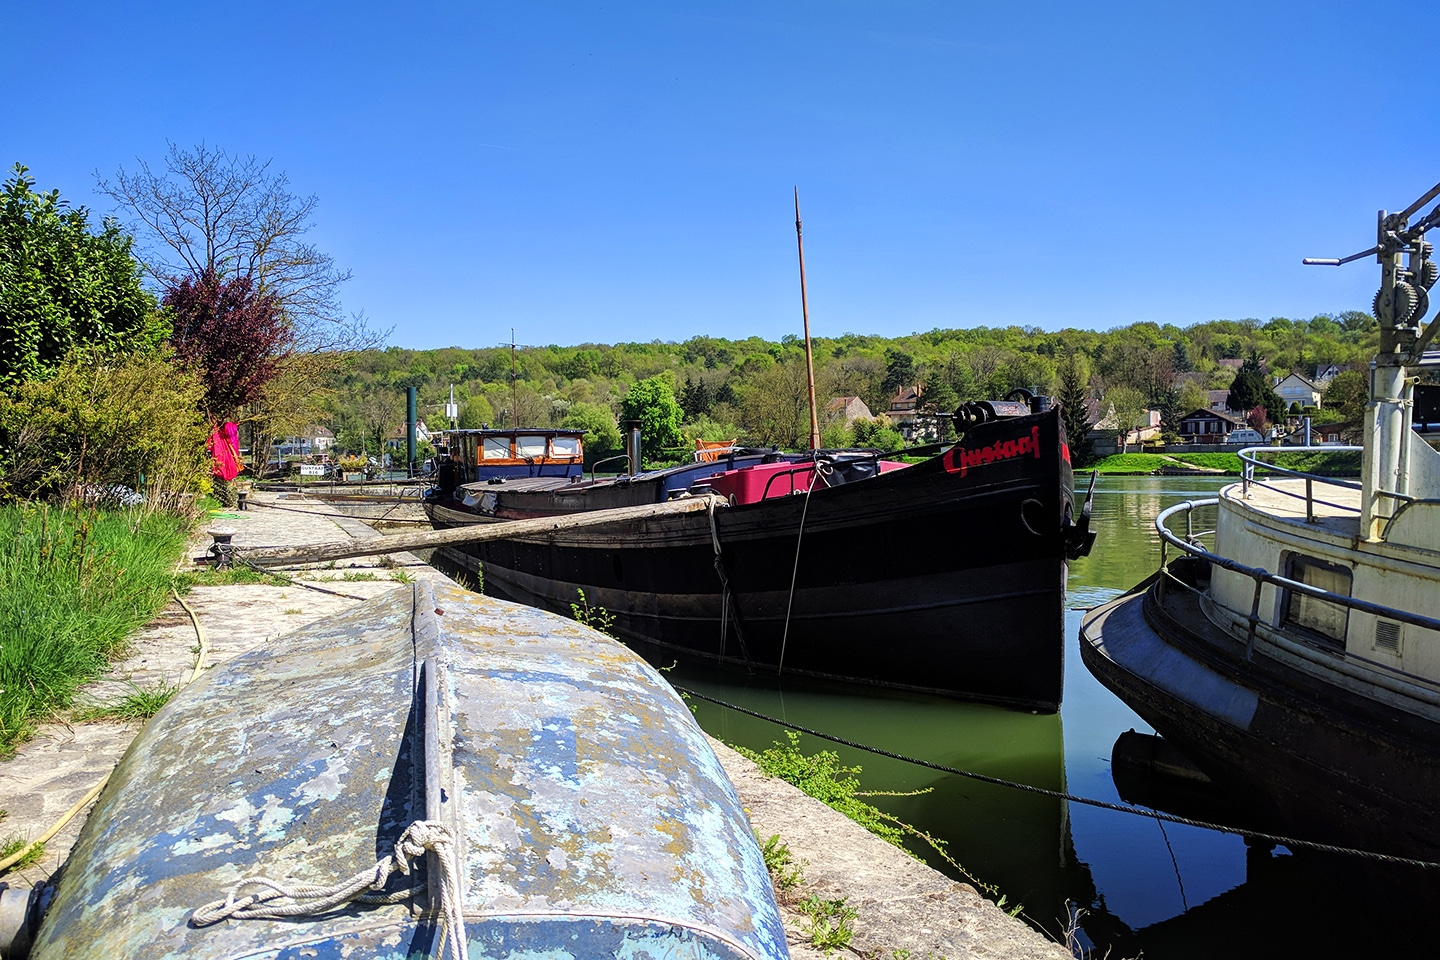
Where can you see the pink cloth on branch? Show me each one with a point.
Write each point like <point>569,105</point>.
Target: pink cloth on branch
<point>225,451</point>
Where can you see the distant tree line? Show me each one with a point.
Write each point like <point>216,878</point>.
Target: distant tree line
<point>754,389</point>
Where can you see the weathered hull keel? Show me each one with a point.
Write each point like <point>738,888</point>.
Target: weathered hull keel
<point>593,819</point>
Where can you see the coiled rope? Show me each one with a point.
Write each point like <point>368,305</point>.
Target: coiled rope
<point>278,901</point>
<point>1148,813</point>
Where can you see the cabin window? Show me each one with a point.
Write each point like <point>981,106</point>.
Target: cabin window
<point>529,446</point>
<point>566,446</point>
<point>497,448</point>
<point>1324,620</point>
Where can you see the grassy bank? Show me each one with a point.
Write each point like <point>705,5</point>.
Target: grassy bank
<point>74,585</point>
<point>1144,464</point>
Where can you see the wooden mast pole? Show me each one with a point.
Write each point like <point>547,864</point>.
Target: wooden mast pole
<point>805,313</point>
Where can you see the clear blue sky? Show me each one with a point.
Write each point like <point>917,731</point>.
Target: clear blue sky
<point>623,171</point>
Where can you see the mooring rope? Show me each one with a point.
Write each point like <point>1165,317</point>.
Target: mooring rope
<point>795,571</point>
<point>291,581</point>
<point>727,601</point>
<point>1149,813</point>
<point>310,899</point>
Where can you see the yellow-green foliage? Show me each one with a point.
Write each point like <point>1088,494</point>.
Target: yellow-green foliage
<point>102,421</point>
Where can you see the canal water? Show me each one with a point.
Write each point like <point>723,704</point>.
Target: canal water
<point>1140,886</point>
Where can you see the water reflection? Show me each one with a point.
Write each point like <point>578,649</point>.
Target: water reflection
<point>1016,841</point>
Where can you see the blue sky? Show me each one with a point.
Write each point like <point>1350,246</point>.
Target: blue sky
<point>623,171</point>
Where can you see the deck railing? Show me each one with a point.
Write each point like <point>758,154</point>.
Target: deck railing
<point>1250,458</point>
<point>1261,577</point>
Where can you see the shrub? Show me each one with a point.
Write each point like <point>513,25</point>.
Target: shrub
<point>102,422</point>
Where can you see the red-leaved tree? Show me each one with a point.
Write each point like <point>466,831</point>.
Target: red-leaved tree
<point>233,337</point>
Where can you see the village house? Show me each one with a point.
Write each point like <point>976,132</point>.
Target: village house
<point>846,410</point>
<point>1297,389</point>
<point>904,413</point>
<point>314,441</point>
<point>396,440</point>
<point>1104,435</point>
<point>1207,426</point>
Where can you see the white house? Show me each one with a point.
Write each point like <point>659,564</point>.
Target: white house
<point>1298,389</point>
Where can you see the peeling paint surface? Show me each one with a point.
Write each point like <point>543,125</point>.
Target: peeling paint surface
<point>596,821</point>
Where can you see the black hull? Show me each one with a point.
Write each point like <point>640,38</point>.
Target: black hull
<point>1306,758</point>
<point>921,579</point>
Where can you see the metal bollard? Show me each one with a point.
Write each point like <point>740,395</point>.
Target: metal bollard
<point>222,552</point>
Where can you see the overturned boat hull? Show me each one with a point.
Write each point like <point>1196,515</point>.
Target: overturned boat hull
<point>589,816</point>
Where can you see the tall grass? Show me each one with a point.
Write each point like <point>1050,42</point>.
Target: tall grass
<point>75,583</point>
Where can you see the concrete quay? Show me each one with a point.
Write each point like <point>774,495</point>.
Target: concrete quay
<point>905,909</point>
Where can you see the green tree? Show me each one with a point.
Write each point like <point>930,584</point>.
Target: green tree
<point>651,404</point>
<point>1073,397</point>
<point>695,398</point>
<point>475,413</point>
<point>899,371</point>
<point>775,404</point>
<point>1130,411</point>
<point>1347,394</point>
<point>877,433</point>
<point>63,286</point>
<point>1251,389</point>
<point>602,436</point>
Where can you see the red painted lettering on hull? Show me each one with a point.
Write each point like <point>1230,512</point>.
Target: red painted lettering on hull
<point>960,460</point>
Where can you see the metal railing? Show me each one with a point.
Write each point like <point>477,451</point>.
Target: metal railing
<point>1262,577</point>
<point>594,467</point>
<point>1250,459</point>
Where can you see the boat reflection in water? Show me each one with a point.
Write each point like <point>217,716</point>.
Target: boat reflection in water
<point>1291,903</point>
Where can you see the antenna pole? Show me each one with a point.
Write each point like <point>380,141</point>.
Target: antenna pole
<point>514,385</point>
<point>805,313</point>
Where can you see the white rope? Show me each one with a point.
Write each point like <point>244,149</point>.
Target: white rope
<point>310,899</point>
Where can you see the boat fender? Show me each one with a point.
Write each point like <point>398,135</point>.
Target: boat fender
<point>20,913</point>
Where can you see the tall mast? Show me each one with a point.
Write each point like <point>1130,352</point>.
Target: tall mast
<point>805,312</point>
<point>514,385</point>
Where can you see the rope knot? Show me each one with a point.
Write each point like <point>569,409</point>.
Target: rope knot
<point>281,900</point>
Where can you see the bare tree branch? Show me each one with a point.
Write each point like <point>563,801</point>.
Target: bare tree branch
<point>209,210</point>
